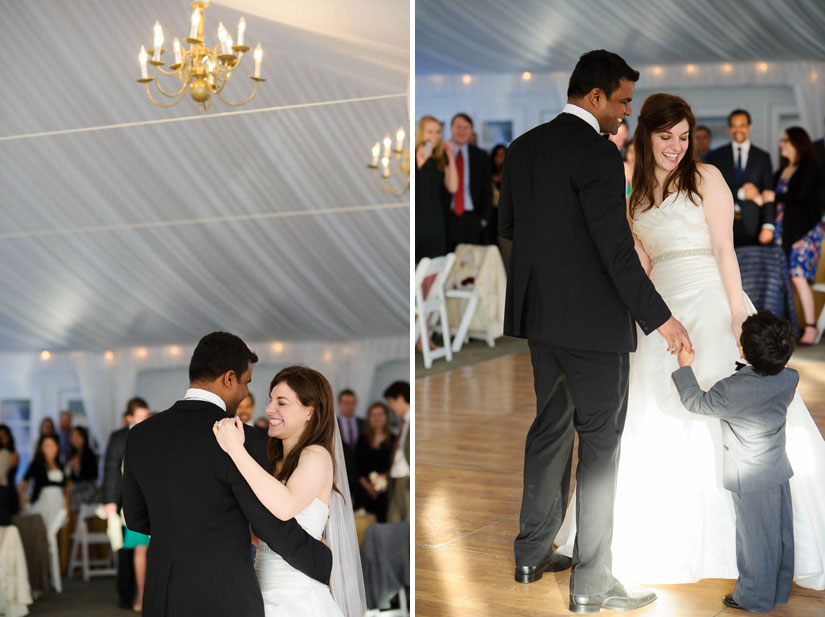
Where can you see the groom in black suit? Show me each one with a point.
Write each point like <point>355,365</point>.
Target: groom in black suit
<point>183,490</point>
<point>576,286</point>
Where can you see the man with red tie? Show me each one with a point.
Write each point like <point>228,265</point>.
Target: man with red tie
<point>472,204</point>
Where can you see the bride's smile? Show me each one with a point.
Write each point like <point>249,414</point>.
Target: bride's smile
<point>669,146</point>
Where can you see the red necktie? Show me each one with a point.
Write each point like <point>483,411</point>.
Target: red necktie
<point>458,201</point>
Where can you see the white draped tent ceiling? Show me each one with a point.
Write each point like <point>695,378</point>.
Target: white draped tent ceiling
<point>489,36</point>
<point>126,224</point>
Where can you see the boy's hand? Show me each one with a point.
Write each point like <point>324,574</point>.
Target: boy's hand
<point>685,357</point>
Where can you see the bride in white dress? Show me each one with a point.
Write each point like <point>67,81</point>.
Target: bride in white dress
<point>673,520</point>
<point>303,432</point>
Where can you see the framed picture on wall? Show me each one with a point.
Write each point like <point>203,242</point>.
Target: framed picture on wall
<point>496,132</point>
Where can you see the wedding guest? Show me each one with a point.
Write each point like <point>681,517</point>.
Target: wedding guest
<point>262,424</point>
<point>9,460</point>
<point>497,156</point>
<point>372,457</point>
<point>350,428</point>
<point>621,136</point>
<point>702,137</point>
<point>246,409</point>
<point>138,542</point>
<point>471,205</point>
<point>398,507</point>
<point>436,178</point>
<point>752,405</point>
<point>629,164</point>
<point>137,410</point>
<point>819,148</point>
<point>81,469</point>
<point>749,175</point>
<point>47,427</point>
<point>64,434</point>
<point>799,227</point>
<point>46,480</point>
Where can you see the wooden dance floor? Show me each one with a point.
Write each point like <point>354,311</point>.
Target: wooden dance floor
<point>470,426</point>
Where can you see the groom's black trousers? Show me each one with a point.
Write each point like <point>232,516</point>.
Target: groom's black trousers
<point>585,391</point>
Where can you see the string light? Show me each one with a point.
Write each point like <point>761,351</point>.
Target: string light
<point>109,355</point>
<point>466,79</point>
<point>277,347</point>
<point>174,350</point>
<point>45,355</point>
<point>763,67</point>
<point>658,70</point>
<point>727,68</point>
<point>141,352</point>
<point>527,76</point>
<point>690,69</point>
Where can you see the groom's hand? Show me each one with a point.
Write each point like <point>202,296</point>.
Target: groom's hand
<point>675,334</point>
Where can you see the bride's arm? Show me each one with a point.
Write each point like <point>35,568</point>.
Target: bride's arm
<point>310,477</point>
<point>718,207</point>
<point>644,258</point>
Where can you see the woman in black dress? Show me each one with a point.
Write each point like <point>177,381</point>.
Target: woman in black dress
<point>436,178</point>
<point>9,460</point>
<point>373,456</point>
<point>81,469</point>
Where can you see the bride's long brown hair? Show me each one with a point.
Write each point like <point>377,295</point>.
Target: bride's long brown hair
<point>313,390</point>
<point>660,113</point>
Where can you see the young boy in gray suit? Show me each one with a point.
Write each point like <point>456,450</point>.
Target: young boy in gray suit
<point>751,405</point>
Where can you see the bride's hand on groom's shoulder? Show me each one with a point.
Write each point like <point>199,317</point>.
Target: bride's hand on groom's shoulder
<point>229,433</point>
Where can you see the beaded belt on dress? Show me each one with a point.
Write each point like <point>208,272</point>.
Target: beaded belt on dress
<point>683,253</point>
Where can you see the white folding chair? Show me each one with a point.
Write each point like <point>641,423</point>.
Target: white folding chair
<point>52,529</point>
<point>82,538</point>
<point>434,303</point>
<point>820,323</point>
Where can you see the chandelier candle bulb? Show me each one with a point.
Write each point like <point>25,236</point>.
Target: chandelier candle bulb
<point>222,38</point>
<point>387,144</point>
<point>142,58</point>
<point>158,41</point>
<point>196,18</point>
<point>399,138</point>
<point>259,55</point>
<point>176,49</point>
<point>376,150</point>
<point>241,31</point>
<point>385,163</point>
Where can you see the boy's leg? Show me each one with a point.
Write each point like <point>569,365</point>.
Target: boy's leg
<point>784,578</point>
<point>758,547</point>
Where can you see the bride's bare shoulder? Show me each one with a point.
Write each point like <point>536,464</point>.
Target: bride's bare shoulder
<point>709,175</point>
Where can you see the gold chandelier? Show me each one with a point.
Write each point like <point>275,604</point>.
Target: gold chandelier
<point>201,70</point>
<point>390,170</point>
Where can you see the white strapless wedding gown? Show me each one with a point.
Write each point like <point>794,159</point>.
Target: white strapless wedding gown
<point>674,522</point>
<point>287,592</point>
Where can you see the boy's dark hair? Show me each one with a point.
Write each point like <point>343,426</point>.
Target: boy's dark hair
<point>739,112</point>
<point>398,388</point>
<point>767,342</point>
<point>218,353</point>
<point>599,69</point>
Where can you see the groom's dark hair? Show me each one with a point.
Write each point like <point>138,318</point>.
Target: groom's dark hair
<point>599,69</point>
<point>218,353</point>
<point>767,342</point>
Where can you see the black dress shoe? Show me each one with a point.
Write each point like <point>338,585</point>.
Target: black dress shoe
<point>552,563</point>
<point>731,603</point>
<point>617,598</point>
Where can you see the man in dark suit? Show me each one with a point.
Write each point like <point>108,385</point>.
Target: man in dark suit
<point>183,490</point>
<point>702,137</point>
<point>351,428</point>
<point>137,410</point>
<point>398,400</point>
<point>575,288</point>
<point>472,204</point>
<point>748,172</point>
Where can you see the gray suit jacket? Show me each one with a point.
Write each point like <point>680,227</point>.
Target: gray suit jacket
<point>752,409</point>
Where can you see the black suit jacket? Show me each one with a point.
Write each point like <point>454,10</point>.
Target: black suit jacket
<point>113,466</point>
<point>481,186</point>
<point>749,221</point>
<point>801,211</point>
<point>575,279</point>
<point>349,456</point>
<point>180,487</point>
